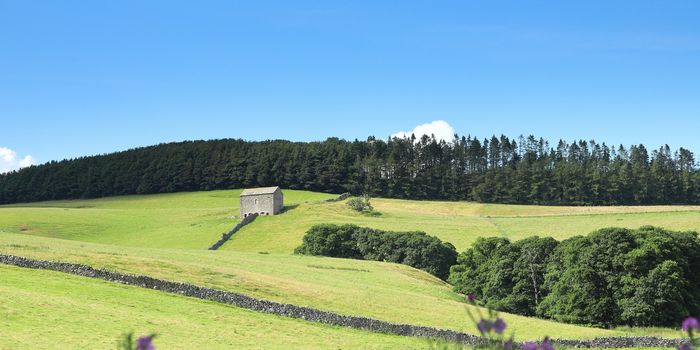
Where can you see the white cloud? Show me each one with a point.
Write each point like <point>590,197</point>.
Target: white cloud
<point>28,160</point>
<point>9,160</point>
<point>440,128</point>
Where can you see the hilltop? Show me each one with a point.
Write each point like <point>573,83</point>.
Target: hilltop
<point>493,170</point>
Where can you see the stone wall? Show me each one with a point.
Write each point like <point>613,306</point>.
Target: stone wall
<point>306,313</point>
<point>342,197</point>
<point>246,220</point>
<point>278,205</point>
<point>258,204</point>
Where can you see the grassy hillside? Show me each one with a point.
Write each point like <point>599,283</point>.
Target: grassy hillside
<point>459,222</point>
<point>390,292</point>
<point>166,236</point>
<point>176,220</point>
<point>197,219</point>
<point>52,310</point>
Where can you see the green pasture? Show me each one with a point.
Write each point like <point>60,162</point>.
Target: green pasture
<point>166,236</point>
<point>459,223</point>
<point>52,310</point>
<point>390,292</point>
<point>176,220</point>
<point>197,219</point>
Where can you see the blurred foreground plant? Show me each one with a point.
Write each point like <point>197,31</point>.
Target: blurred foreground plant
<point>689,326</point>
<point>491,327</point>
<point>144,342</point>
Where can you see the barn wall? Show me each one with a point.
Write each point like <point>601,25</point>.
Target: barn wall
<point>279,201</point>
<point>264,204</point>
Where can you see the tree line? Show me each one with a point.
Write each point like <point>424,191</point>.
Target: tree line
<point>415,249</point>
<point>612,277</point>
<point>496,169</point>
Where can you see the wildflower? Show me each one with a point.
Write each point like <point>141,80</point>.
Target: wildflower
<point>690,323</point>
<point>685,346</point>
<point>546,344</point>
<point>484,326</point>
<point>508,345</point>
<point>471,297</point>
<point>145,343</point>
<point>529,345</point>
<point>499,325</point>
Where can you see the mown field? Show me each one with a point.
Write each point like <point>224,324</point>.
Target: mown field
<point>197,219</point>
<point>166,236</point>
<point>459,223</point>
<point>390,292</point>
<point>52,310</point>
<point>177,220</point>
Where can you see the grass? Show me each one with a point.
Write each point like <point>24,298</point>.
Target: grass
<point>390,292</point>
<point>195,220</point>
<point>51,310</point>
<point>166,236</point>
<point>177,220</point>
<point>459,223</point>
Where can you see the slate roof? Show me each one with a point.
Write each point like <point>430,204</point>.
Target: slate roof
<point>260,190</point>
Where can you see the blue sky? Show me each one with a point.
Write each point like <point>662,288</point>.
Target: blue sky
<point>81,78</point>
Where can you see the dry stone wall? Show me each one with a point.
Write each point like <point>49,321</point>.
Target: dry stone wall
<point>306,313</point>
<point>225,237</point>
<point>342,197</point>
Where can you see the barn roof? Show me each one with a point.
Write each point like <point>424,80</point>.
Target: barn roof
<point>260,190</point>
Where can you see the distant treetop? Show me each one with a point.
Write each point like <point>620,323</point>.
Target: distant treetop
<point>498,169</point>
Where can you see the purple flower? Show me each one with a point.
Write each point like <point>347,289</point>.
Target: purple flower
<point>484,326</point>
<point>546,345</point>
<point>499,325</point>
<point>529,345</point>
<point>471,297</point>
<point>690,323</point>
<point>144,343</point>
<point>508,345</point>
<point>685,346</point>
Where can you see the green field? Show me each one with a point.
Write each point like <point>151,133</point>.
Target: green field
<point>390,292</point>
<point>52,310</point>
<point>166,235</point>
<point>179,220</point>
<point>197,219</point>
<point>459,223</point>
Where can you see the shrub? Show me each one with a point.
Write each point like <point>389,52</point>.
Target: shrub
<point>507,276</point>
<point>360,204</point>
<point>415,249</point>
<point>330,240</point>
<point>611,277</point>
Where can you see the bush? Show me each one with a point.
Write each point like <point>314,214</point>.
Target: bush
<point>611,277</point>
<point>415,249</point>
<point>330,240</point>
<point>506,276</point>
<point>360,204</point>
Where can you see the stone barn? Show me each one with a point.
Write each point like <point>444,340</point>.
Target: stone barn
<point>261,201</point>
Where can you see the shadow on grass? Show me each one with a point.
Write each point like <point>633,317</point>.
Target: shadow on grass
<point>287,208</point>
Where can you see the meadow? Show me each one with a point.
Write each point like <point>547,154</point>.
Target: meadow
<point>166,236</point>
<point>459,223</point>
<point>390,292</point>
<point>195,220</point>
<point>52,310</point>
<point>176,220</point>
